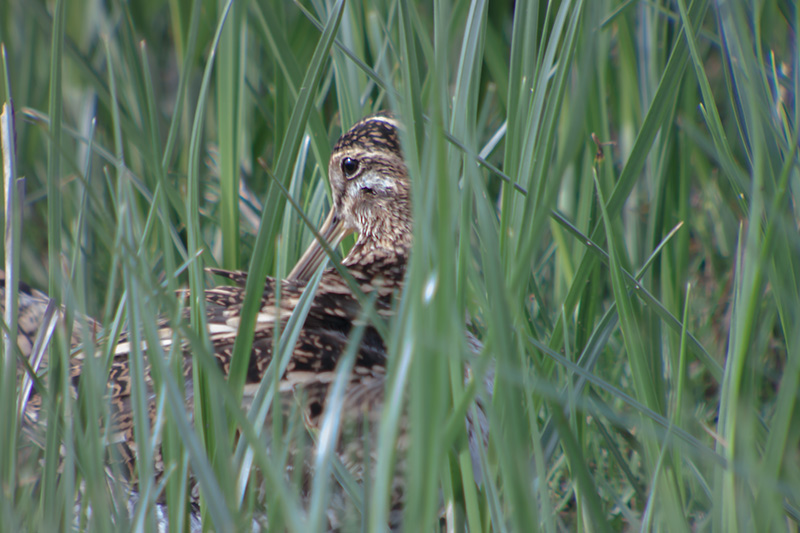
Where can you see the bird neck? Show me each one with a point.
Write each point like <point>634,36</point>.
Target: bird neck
<point>384,239</point>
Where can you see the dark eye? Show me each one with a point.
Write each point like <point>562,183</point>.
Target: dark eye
<point>349,166</point>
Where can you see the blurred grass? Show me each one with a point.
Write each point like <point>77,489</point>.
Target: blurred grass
<point>618,404</point>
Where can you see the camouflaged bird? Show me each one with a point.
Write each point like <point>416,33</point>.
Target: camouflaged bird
<point>372,197</point>
<point>32,314</point>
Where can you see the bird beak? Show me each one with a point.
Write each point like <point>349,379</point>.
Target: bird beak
<point>332,231</point>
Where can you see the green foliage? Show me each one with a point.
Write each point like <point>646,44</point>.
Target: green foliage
<point>637,294</point>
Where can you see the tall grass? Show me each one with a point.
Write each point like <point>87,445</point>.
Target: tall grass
<point>637,297</point>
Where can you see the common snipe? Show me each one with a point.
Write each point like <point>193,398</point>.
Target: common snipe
<point>371,196</point>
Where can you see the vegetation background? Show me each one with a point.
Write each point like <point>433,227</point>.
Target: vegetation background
<point>606,189</point>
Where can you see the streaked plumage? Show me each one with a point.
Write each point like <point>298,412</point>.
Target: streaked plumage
<point>371,196</point>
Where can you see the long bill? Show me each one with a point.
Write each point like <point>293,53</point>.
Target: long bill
<point>332,231</point>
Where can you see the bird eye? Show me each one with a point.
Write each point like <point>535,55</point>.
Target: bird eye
<point>349,166</point>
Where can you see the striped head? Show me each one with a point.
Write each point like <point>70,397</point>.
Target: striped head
<point>371,195</point>
<point>369,180</point>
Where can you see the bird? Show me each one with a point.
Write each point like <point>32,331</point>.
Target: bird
<point>371,196</point>
<point>32,312</point>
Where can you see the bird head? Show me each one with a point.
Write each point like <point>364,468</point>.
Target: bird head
<point>371,194</point>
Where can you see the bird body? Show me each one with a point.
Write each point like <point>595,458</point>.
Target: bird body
<point>371,196</point>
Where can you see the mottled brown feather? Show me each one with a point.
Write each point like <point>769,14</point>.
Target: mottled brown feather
<point>373,201</point>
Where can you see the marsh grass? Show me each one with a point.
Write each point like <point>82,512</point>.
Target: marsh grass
<point>637,299</point>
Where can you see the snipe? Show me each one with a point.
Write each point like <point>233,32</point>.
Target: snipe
<point>372,197</point>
